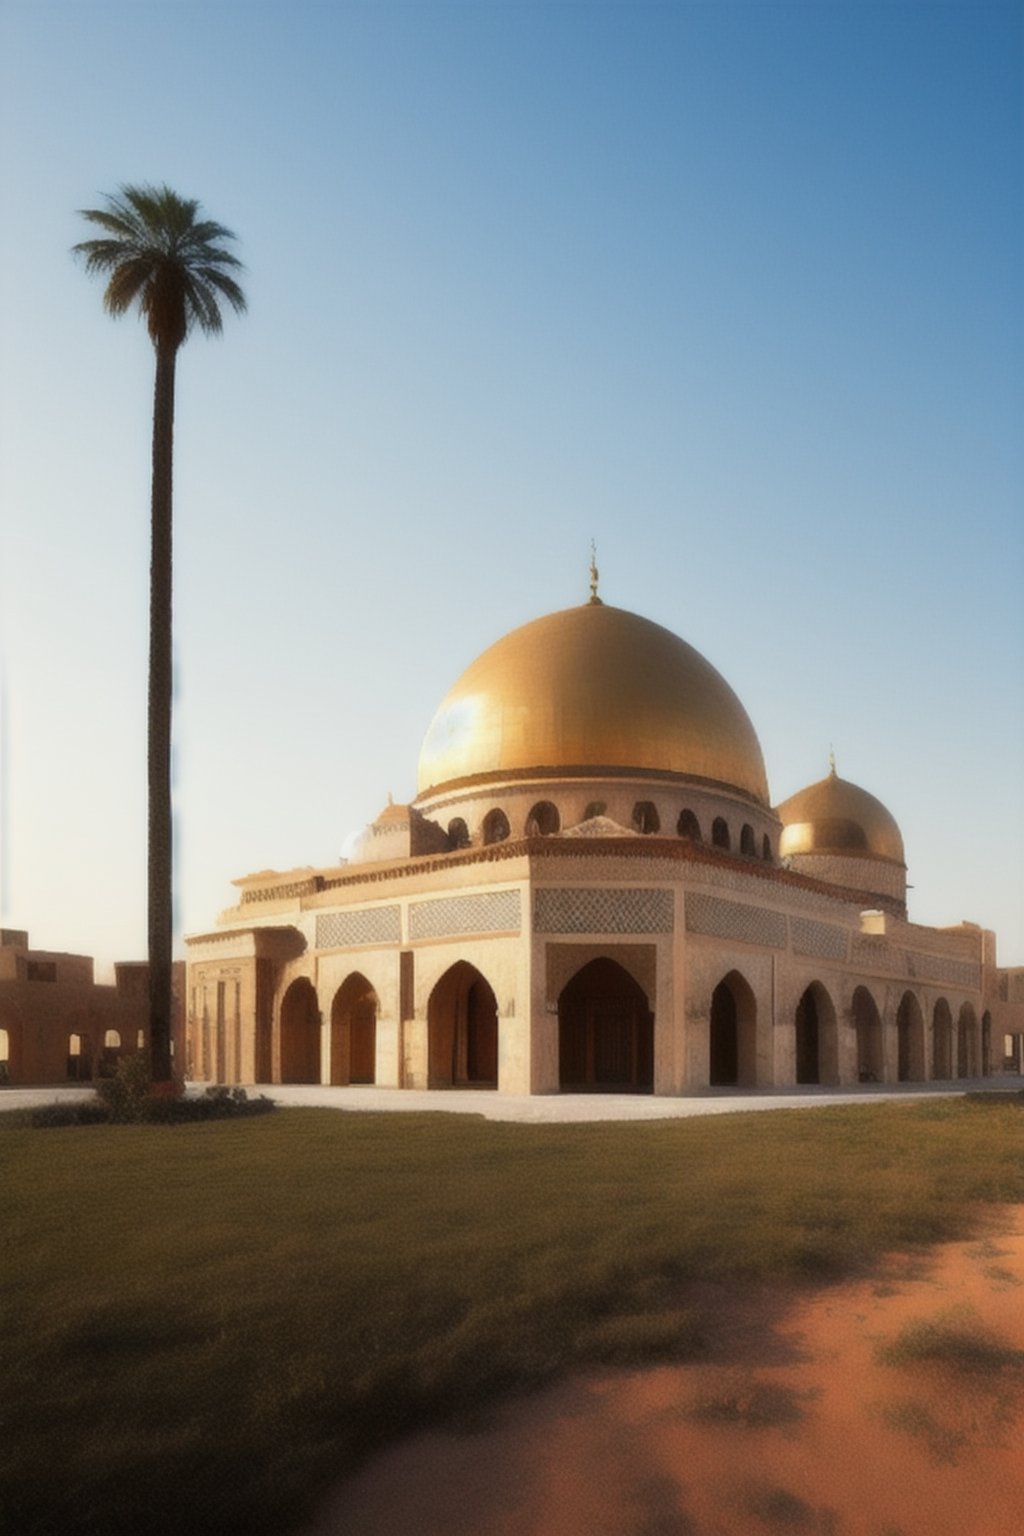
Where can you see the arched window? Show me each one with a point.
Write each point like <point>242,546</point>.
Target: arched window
<point>747,845</point>
<point>543,820</point>
<point>110,1053</point>
<point>458,833</point>
<point>720,833</point>
<point>496,828</point>
<point>595,808</point>
<point>79,1058</point>
<point>645,817</point>
<point>766,849</point>
<point>688,826</point>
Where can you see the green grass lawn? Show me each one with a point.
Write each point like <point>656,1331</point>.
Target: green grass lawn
<point>206,1325</point>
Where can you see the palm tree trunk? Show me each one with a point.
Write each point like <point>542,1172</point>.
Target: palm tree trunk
<point>160,892</point>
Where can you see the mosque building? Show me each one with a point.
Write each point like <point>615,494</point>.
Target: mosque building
<point>592,892</point>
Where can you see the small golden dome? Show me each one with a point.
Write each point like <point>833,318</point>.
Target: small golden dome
<point>590,691</point>
<point>834,816</point>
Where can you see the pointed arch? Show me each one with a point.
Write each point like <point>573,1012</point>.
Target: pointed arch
<point>720,833</point>
<point>462,1030</point>
<point>300,1033</point>
<point>354,1031</point>
<point>605,1032</point>
<point>732,1028</point>
<point>816,1037</point>
<point>748,846</point>
<point>942,1041</point>
<point>867,1023</point>
<point>910,1051</point>
<point>966,1042</point>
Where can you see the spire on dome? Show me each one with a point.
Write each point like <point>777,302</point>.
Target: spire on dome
<point>595,574</point>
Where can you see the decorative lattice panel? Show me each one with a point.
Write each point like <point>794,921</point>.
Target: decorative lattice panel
<point>824,941</point>
<point>951,973</point>
<point>488,912</point>
<point>370,925</point>
<point>734,920</point>
<point>602,911</point>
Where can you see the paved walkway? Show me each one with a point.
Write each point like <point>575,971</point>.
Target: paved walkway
<point>562,1107</point>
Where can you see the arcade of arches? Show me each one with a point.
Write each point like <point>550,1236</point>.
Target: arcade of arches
<point>606,1035</point>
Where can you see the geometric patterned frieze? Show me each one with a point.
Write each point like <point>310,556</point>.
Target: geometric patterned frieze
<point>370,925</point>
<point>734,920</point>
<point>951,973</point>
<point>602,911</point>
<point>824,941</point>
<point>488,912</point>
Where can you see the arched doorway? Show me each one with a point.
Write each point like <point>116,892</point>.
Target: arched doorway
<point>986,1044</point>
<point>966,1042</point>
<point>354,1032</point>
<point>300,1034</point>
<point>942,1041</point>
<point>910,1040</point>
<point>110,1054</point>
<point>462,1030</point>
<point>868,1027</point>
<point>816,1052</point>
<point>732,1043</point>
<point>605,1032</point>
<point>79,1058</point>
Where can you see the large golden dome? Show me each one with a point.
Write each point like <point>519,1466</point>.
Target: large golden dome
<point>590,691</point>
<point>837,817</point>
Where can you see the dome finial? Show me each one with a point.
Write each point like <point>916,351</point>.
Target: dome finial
<point>595,574</point>
<point>831,761</point>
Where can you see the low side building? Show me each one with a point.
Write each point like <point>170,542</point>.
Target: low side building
<point>58,1025</point>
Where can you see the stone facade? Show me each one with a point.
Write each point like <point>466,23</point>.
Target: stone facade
<point>724,952</point>
<point>592,892</point>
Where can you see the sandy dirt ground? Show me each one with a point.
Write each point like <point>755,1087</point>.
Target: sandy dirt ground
<point>799,1425</point>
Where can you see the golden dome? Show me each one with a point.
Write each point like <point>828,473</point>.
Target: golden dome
<point>834,816</point>
<point>586,692</point>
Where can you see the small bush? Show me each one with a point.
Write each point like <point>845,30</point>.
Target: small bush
<point>215,1104</point>
<point>125,1093</point>
<point>90,1112</point>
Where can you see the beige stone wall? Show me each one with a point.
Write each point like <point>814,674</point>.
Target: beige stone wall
<point>528,920</point>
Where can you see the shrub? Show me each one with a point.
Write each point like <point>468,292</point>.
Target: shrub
<point>88,1113</point>
<point>125,1093</point>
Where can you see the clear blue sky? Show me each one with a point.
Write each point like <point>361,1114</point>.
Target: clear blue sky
<point>735,290</point>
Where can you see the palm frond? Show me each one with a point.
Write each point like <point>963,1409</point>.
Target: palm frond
<point>158,254</point>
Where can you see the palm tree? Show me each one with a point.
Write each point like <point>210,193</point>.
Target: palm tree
<point>158,255</point>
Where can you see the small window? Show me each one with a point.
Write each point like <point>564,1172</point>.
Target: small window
<point>689,826</point>
<point>458,833</point>
<point>543,820</point>
<point>496,828</point>
<point>42,970</point>
<point>720,833</point>
<point>748,847</point>
<point>766,849</point>
<point>645,817</point>
<point>595,808</point>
